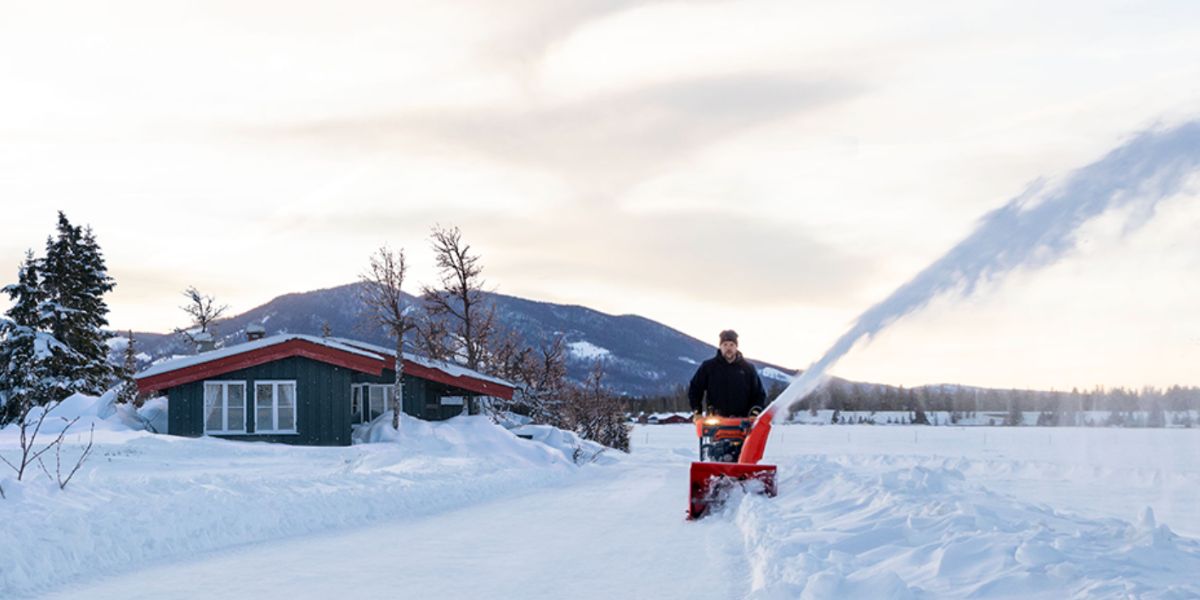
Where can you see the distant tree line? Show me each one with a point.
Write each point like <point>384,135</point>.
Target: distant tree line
<point>1145,407</point>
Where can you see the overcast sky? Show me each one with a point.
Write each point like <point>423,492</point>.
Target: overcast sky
<point>774,167</point>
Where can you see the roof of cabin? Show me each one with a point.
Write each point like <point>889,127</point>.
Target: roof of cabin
<point>351,354</point>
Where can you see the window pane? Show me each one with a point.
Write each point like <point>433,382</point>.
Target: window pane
<point>388,393</point>
<point>287,406</point>
<point>287,418</point>
<point>287,395</point>
<point>213,416</point>
<point>264,416</point>
<point>376,393</point>
<point>235,400</point>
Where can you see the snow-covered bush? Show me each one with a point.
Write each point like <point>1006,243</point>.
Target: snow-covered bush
<point>579,450</point>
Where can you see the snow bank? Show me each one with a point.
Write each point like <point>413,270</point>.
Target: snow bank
<point>101,412</point>
<point>478,435</point>
<point>979,512</point>
<point>912,532</point>
<point>144,499</point>
<point>579,450</point>
<point>460,437</point>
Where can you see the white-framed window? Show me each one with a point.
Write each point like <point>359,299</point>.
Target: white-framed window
<point>224,407</point>
<point>356,392</point>
<point>373,399</point>
<point>274,407</point>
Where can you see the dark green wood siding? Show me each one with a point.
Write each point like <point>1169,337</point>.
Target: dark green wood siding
<point>322,403</point>
<point>422,398</point>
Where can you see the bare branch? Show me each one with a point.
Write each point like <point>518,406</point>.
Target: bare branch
<point>383,294</point>
<point>459,300</point>
<point>87,451</point>
<point>203,310</point>
<point>45,470</point>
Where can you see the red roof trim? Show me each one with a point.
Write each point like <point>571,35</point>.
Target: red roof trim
<point>306,349</point>
<point>258,356</point>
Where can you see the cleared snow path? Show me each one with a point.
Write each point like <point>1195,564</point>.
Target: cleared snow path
<point>612,532</point>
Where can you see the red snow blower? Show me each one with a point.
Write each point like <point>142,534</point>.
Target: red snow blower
<point>730,448</point>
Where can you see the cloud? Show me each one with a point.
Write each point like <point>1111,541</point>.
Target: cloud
<point>547,22</point>
<point>602,144</point>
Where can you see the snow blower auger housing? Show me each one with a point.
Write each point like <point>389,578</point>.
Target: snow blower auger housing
<point>730,449</point>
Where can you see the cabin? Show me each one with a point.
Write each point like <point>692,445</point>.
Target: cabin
<point>307,390</point>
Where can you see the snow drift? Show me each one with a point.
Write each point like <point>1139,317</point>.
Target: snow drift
<point>143,499</point>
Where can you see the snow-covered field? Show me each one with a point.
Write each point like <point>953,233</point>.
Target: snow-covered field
<point>463,510</point>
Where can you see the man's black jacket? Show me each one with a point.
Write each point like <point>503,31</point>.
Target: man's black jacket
<point>732,388</point>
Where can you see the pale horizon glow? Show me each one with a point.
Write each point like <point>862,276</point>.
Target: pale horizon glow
<point>766,166</point>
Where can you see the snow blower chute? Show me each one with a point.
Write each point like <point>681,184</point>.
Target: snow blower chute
<point>730,449</point>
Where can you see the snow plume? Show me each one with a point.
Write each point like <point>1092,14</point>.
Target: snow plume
<point>1032,231</point>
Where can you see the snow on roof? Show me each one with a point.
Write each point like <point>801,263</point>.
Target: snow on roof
<point>448,368</point>
<point>198,359</point>
<point>664,415</point>
<point>342,344</point>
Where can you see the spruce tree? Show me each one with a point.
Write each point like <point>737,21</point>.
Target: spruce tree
<point>74,280</point>
<point>1015,416</point>
<point>27,350</point>
<point>129,391</point>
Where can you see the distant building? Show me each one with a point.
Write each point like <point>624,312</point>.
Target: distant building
<point>665,418</point>
<point>674,419</point>
<point>299,389</point>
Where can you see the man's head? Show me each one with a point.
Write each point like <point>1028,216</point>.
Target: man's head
<point>729,344</point>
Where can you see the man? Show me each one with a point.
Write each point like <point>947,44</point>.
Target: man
<point>726,383</point>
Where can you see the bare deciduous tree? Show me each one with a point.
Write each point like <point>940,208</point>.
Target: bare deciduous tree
<point>468,319</point>
<point>595,413</point>
<point>546,377</point>
<point>539,374</point>
<point>27,432</point>
<point>431,338</point>
<point>203,310</point>
<point>382,293</point>
<point>58,465</point>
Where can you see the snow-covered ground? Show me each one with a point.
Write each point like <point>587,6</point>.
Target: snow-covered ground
<point>459,510</point>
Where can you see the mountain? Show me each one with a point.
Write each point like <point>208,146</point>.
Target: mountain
<point>641,357</point>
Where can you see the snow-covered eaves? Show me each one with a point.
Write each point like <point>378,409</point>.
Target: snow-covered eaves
<point>446,367</point>
<point>229,351</point>
<point>351,354</point>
